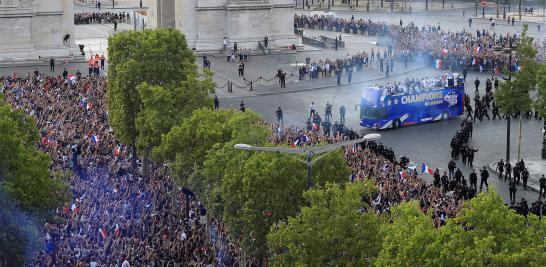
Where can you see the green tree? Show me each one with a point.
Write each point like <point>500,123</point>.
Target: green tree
<point>24,170</point>
<point>224,158</point>
<point>163,108</point>
<point>267,188</point>
<point>331,168</point>
<point>485,233</point>
<point>158,57</point>
<point>187,144</point>
<point>514,96</point>
<point>334,230</point>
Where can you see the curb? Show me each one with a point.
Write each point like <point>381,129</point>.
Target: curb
<point>342,85</point>
<point>39,63</point>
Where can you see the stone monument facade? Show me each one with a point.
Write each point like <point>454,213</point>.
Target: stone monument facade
<point>206,22</point>
<point>34,30</point>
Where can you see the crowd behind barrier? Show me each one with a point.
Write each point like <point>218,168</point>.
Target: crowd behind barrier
<point>101,17</point>
<point>479,50</point>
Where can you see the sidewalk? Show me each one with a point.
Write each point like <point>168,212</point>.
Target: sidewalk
<point>536,168</point>
<point>525,18</point>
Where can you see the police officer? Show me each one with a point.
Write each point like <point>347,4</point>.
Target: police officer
<point>328,111</point>
<point>445,182</point>
<point>524,178</point>
<point>488,86</point>
<point>484,175</point>
<point>279,115</point>
<point>508,168</point>
<point>542,183</point>
<point>500,168</point>
<point>437,178</point>
<point>496,111</point>
<point>451,167</point>
<point>326,125</point>
<point>342,114</point>
<point>477,83</point>
<point>471,152</point>
<point>458,175</point>
<point>216,102</point>
<point>512,187</point>
<point>335,129</point>
<point>473,179</point>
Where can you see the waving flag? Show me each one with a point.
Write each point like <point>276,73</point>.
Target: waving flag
<point>103,233</point>
<point>425,168</point>
<point>94,138</point>
<point>439,64</point>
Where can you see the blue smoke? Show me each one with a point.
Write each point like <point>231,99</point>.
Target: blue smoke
<point>19,234</point>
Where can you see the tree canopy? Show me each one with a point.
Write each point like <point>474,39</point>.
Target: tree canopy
<point>335,229</point>
<point>486,232</point>
<point>24,170</point>
<point>162,60</point>
<point>28,189</point>
<point>513,96</point>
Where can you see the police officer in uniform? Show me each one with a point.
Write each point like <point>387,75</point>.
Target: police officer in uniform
<point>473,180</point>
<point>484,176</point>
<point>512,187</point>
<point>326,125</point>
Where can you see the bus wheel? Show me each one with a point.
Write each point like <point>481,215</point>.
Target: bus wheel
<point>395,124</point>
<point>445,115</point>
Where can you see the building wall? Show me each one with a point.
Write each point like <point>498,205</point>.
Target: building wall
<point>206,22</point>
<point>36,29</point>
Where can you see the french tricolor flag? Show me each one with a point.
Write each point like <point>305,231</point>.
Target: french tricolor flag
<point>425,168</point>
<point>94,138</point>
<point>103,232</point>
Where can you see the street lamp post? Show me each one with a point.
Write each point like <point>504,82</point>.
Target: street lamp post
<point>310,152</point>
<point>543,156</point>
<point>519,9</point>
<point>508,50</point>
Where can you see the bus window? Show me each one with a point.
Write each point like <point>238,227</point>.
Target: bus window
<point>375,113</point>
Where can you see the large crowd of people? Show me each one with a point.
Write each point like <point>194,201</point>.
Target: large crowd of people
<point>101,17</point>
<point>417,85</point>
<point>115,214</point>
<point>481,50</point>
<point>395,179</point>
